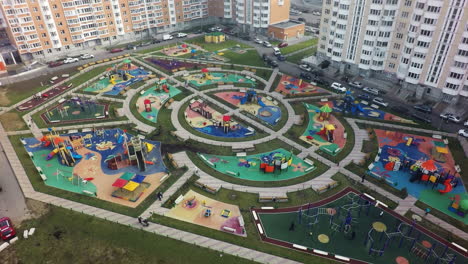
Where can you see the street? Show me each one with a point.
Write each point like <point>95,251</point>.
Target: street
<point>12,203</point>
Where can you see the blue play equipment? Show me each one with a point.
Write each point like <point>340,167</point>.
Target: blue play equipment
<point>250,97</point>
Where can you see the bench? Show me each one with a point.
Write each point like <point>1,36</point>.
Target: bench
<point>241,221</point>
<point>364,102</point>
<point>269,98</point>
<point>226,228</point>
<point>437,136</point>
<point>206,187</point>
<point>374,106</point>
<point>232,173</point>
<point>71,131</point>
<point>324,100</point>
<point>88,192</point>
<point>457,168</point>
<point>268,199</point>
<point>326,187</point>
<point>44,178</point>
<point>164,178</point>
<point>309,169</point>
<point>345,135</point>
<point>179,199</point>
<point>241,154</point>
<point>141,92</point>
<point>308,161</point>
<point>275,102</point>
<point>61,100</point>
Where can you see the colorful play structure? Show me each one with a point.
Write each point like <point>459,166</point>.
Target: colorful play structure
<point>75,109</point>
<point>205,77</point>
<point>207,120</point>
<point>289,85</point>
<point>130,186</point>
<point>153,99</point>
<point>329,227</point>
<point>178,50</point>
<point>64,148</point>
<point>215,37</point>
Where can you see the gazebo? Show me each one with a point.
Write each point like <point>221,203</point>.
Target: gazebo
<point>325,112</point>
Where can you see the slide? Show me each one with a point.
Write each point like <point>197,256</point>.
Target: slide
<point>141,161</point>
<point>362,110</point>
<point>448,187</point>
<point>165,88</point>
<point>52,154</point>
<point>45,141</point>
<point>120,140</point>
<point>410,140</point>
<point>262,104</point>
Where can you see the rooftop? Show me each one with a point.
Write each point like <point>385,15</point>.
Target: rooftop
<point>287,24</point>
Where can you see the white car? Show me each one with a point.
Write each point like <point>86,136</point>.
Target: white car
<point>356,85</point>
<point>266,44</point>
<point>380,102</point>
<point>181,35</point>
<point>463,132</point>
<point>371,90</point>
<point>305,67</point>
<point>70,60</point>
<point>451,117</point>
<point>258,41</point>
<point>86,56</point>
<point>338,87</point>
<point>465,124</point>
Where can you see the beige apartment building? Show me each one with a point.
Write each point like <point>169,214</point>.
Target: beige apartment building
<point>421,44</point>
<point>45,29</point>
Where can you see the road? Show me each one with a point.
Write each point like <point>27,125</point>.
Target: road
<point>12,203</point>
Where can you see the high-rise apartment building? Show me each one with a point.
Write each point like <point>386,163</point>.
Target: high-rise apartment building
<point>421,43</point>
<point>42,28</point>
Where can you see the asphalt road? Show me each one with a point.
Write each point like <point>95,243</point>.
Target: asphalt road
<point>12,203</point>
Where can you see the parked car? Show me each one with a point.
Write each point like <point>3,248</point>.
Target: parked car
<point>281,57</point>
<point>258,41</point>
<point>70,60</point>
<point>371,90</point>
<point>55,63</point>
<point>338,87</point>
<point>305,67</point>
<point>144,44</point>
<point>463,132</point>
<point>131,46</point>
<point>422,117</point>
<point>301,19</point>
<point>380,101</point>
<point>400,110</point>
<point>364,96</point>
<point>155,41</point>
<point>214,29</point>
<point>306,76</point>
<point>181,35</point>
<point>266,44</point>
<point>423,108</point>
<point>356,85</point>
<point>116,50</point>
<point>319,81</point>
<point>283,45</point>
<point>276,51</point>
<point>466,123</point>
<point>86,56</point>
<point>7,231</point>
<point>167,37</point>
<point>451,117</point>
<point>273,63</point>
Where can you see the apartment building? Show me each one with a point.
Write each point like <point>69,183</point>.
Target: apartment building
<point>422,44</point>
<point>43,28</point>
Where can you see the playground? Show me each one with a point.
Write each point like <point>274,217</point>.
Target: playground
<point>377,235</point>
<point>75,110</point>
<point>207,78</point>
<point>363,109</point>
<point>178,50</point>
<point>118,79</point>
<point>173,65</point>
<point>204,211</point>
<point>323,129</point>
<point>42,97</point>
<point>111,165</point>
<point>425,167</point>
<point>205,119</point>
<point>276,165</point>
<point>294,86</point>
<point>263,107</point>
<point>152,100</point>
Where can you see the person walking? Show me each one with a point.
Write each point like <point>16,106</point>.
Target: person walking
<point>139,219</point>
<point>428,210</point>
<point>363,177</point>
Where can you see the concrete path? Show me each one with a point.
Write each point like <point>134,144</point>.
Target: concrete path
<point>271,80</point>
<point>405,204</point>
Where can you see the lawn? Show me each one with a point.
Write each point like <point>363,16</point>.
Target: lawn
<point>200,41</point>
<point>64,235</point>
<point>13,121</point>
<point>299,46</point>
<point>296,58</point>
<point>251,58</point>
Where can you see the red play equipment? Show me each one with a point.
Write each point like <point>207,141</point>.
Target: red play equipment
<point>448,186</point>
<point>164,86</point>
<point>327,132</point>
<point>147,103</point>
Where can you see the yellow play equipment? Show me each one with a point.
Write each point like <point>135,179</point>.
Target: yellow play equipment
<point>149,147</point>
<point>129,76</point>
<point>215,37</point>
<point>112,79</point>
<point>207,76</point>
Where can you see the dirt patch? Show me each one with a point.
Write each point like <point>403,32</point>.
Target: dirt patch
<point>12,122</point>
<point>3,97</point>
<point>37,208</point>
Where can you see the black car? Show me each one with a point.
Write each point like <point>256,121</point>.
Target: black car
<point>306,76</point>
<point>265,58</point>
<point>364,97</point>
<point>273,63</point>
<point>423,108</point>
<point>400,110</point>
<point>281,57</point>
<point>156,41</point>
<point>421,117</point>
<point>321,82</point>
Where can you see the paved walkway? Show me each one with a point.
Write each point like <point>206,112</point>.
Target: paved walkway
<point>271,80</point>
<point>405,204</point>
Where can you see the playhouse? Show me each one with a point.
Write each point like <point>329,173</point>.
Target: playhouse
<point>91,162</point>
<point>262,107</point>
<point>118,79</point>
<point>215,37</point>
<point>276,165</point>
<point>198,209</point>
<point>408,161</point>
<point>205,119</point>
<point>323,129</point>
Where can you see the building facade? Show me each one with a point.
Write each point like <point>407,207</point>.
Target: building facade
<point>422,44</point>
<point>50,28</point>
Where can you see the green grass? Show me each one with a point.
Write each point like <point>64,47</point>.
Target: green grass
<point>200,41</point>
<point>299,46</point>
<point>441,215</point>
<point>39,185</point>
<point>84,77</point>
<point>251,57</point>
<point>297,130</point>
<point>13,120</point>
<point>87,239</point>
<point>275,83</point>
<point>321,168</point>
<point>296,58</point>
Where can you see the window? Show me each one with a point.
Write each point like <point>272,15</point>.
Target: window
<point>394,56</point>
<point>408,3</point>
<point>460,65</point>
<point>57,15</point>
<point>407,50</point>
<point>365,62</point>
<point>404,14</point>
<point>429,21</point>
<point>391,65</point>
<point>416,65</point>
<point>451,86</point>
<point>423,44</point>
<point>419,5</point>
<point>455,75</point>
<point>417,18</point>
<point>399,35</point>
<point>410,40</point>
<point>419,55</point>
<point>405,60</point>
<point>413,75</point>
<point>463,53</point>
<point>426,33</point>
<point>465,40</point>
<point>396,46</point>
<point>433,9</point>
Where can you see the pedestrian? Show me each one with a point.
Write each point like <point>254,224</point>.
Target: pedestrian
<point>428,210</point>
<point>363,177</point>
<point>292,226</point>
<point>139,219</point>
<point>353,235</point>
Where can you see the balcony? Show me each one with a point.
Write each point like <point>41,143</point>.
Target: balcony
<point>411,80</point>
<point>449,91</point>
